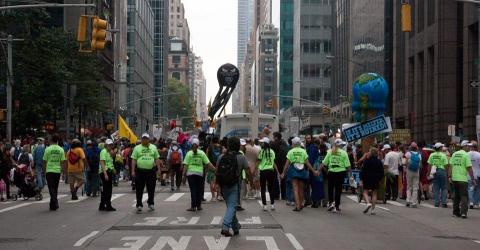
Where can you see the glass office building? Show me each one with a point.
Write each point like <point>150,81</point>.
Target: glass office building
<point>286,54</point>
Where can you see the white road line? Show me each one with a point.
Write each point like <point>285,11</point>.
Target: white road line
<point>81,198</point>
<point>116,196</point>
<point>294,241</point>
<point>395,203</point>
<point>427,205</point>
<point>175,197</point>
<point>80,242</point>
<point>477,241</point>
<point>47,199</point>
<point>216,220</point>
<point>145,198</point>
<point>354,198</point>
<point>15,207</point>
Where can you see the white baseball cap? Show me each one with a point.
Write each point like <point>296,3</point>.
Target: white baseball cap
<point>296,141</point>
<point>386,146</point>
<point>195,141</point>
<point>338,142</point>
<point>243,142</point>
<point>464,143</point>
<point>109,142</point>
<point>265,140</point>
<point>146,135</point>
<point>438,145</point>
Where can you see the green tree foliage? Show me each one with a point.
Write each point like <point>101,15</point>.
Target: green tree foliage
<point>44,63</point>
<point>180,105</point>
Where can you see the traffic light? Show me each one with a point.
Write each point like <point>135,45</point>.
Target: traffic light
<point>99,33</point>
<point>406,17</point>
<point>82,29</point>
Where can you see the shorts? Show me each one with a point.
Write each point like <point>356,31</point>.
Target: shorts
<point>76,177</point>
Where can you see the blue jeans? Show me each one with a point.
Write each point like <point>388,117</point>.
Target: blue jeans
<point>288,185</point>
<point>230,195</point>
<point>440,187</point>
<point>474,192</point>
<point>39,177</point>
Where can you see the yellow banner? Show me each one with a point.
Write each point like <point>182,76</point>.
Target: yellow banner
<point>125,132</point>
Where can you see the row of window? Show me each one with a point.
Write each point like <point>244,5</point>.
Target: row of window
<point>315,70</point>
<point>316,46</point>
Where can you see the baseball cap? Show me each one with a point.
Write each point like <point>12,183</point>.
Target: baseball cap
<point>89,142</point>
<point>146,135</point>
<point>265,140</point>
<point>243,142</point>
<point>438,145</point>
<point>464,143</point>
<point>386,146</point>
<point>195,141</point>
<point>338,142</point>
<point>109,142</point>
<point>296,140</point>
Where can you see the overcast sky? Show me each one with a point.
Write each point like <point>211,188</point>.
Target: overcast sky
<point>213,28</point>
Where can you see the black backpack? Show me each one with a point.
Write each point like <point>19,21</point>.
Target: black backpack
<point>228,173</point>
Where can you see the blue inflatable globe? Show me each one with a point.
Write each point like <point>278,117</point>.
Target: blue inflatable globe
<point>370,93</point>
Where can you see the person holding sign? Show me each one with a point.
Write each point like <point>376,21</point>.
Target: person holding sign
<point>337,164</point>
<point>297,158</point>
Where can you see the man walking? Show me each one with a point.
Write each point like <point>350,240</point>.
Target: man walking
<point>280,148</point>
<point>38,153</point>
<point>414,161</point>
<point>313,154</point>
<point>53,161</point>
<point>460,168</point>
<point>175,159</point>
<point>391,163</point>
<point>144,159</point>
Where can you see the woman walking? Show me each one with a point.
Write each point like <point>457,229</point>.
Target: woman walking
<point>194,162</point>
<point>371,174</point>
<point>297,158</point>
<point>337,163</point>
<point>266,165</point>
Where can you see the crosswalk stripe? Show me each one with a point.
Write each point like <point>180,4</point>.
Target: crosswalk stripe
<point>395,203</point>
<point>294,241</point>
<point>355,198</point>
<point>47,199</point>
<point>85,238</point>
<point>81,198</point>
<point>116,196</point>
<point>175,197</point>
<point>145,198</point>
<point>427,205</point>
<point>15,207</point>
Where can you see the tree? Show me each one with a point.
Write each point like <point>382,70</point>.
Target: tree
<point>179,105</point>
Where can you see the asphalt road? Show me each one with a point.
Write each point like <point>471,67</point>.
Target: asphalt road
<point>79,225</point>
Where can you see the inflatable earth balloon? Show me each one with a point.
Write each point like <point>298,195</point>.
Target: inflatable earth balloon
<point>370,93</point>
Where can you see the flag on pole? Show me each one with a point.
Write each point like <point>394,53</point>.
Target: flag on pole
<point>125,131</point>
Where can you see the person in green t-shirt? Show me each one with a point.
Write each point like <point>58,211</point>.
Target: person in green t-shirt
<point>460,167</point>
<point>297,158</point>
<point>337,163</point>
<point>266,165</point>
<point>145,165</point>
<point>438,165</point>
<point>53,163</point>
<point>194,163</point>
<point>107,171</point>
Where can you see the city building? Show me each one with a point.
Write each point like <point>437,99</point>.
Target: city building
<point>178,65</point>
<point>178,23</point>
<point>160,55</point>
<point>200,90</point>
<point>285,80</point>
<point>311,46</point>
<point>244,83</point>
<point>140,71</point>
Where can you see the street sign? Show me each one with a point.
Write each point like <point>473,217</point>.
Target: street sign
<point>377,125</point>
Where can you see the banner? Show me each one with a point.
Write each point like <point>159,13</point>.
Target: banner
<point>377,125</point>
<point>125,132</point>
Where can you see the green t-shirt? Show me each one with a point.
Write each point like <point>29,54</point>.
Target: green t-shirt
<point>266,162</point>
<point>297,155</point>
<point>460,162</point>
<point>105,156</point>
<point>195,162</point>
<point>145,156</point>
<point>337,162</point>
<point>438,159</point>
<point>54,156</point>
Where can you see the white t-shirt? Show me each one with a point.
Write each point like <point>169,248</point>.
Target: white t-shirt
<point>475,158</point>
<point>392,160</point>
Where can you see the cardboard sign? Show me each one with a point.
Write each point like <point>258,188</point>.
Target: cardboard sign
<point>377,125</point>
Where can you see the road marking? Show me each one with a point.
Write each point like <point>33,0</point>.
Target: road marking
<point>251,221</point>
<point>151,221</point>
<point>269,241</point>
<point>214,244</point>
<point>47,199</point>
<point>15,207</point>
<point>294,241</point>
<point>354,198</point>
<point>477,241</point>
<point>395,203</point>
<point>175,197</point>
<point>427,205</point>
<point>183,220</point>
<point>134,242</point>
<point>85,238</point>
<point>116,196</point>
<point>81,198</point>
<point>176,245</point>
<point>145,198</point>
<point>216,220</point>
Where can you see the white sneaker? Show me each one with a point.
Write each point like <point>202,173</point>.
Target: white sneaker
<point>265,208</point>
<point>151,207</point>
<point>139,209</point>
<point>331,207</point>
<point>373,211</point>
<point>334,210</point>
<point>369,205</point>
<point>273,207</point>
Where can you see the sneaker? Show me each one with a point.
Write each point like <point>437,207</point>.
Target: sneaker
<point>192,209</point>
<point>272,207</point>
<point>239,208</point>
<point>372,212</point>
<point>110,209</point>
<point>199,208</point>
<point>265,208</point>
<point>471,206</point>
<point>368,208</point>
<point>151,207</point>
<point>226,233</point>
<point>335,210</point>
<point>413,205</point>
<point>331,206</point>
<point>464,216</point>
<point>139,209</point>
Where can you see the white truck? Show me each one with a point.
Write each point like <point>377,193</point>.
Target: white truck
<point>245,125</point>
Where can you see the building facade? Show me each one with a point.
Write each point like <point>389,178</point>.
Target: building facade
<point>178,24</point>
<point>311,45</point>
<point>178,60</point>
<point>200,90</point>
<point>160,53</point>
<point>140,71</point>
<point>286,54</point>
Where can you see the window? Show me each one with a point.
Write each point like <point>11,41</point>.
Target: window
<point>176,75</point>
<point>431,12</point>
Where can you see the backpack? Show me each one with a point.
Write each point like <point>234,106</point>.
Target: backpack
<point>73,158</point>
<point>175,157</point>
<point>227,173</point>
<point>17,152</point>
<point>23,159</point>
<point>414,163</point>
<point>215,153</point>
